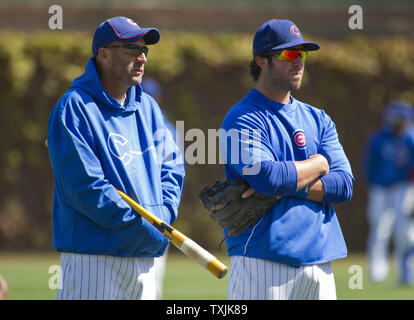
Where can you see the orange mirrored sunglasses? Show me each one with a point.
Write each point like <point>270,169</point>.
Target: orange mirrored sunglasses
<point>289,54</point>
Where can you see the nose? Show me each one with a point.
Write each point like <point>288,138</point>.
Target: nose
<point>142,58</point>
<point>298,61</point>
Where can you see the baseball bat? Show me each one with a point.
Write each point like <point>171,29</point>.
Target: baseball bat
<point>182,242</point>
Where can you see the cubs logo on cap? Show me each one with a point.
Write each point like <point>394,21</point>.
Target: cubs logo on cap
<point>131,22</point>
<point>397,110</point>
<point>295,31</point>
<point>299,138</point>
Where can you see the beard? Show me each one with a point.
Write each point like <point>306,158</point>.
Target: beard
<point>135,80</point>
<point>123,71</point>
<point>285,81</point>
<point>129,77</point>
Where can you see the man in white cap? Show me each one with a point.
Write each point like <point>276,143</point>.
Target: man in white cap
<point>106,133</point>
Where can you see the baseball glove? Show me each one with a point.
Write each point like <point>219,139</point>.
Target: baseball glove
<point>229,209</point>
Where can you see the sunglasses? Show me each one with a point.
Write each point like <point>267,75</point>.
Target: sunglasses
<point>132,49</point>
<point>289,55</point>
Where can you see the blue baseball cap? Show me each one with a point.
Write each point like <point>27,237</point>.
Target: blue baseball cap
<point>278,34</point>
<point>124,30</point>
<point>397,110</point>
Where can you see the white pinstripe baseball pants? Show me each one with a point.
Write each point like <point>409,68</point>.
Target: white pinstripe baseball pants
<point>257,279</point>
<point>98,277</point>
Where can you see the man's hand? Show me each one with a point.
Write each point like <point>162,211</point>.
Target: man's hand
<point>249,192</point>
<point>322,162</point>
<point>234,205</point>
<point>4,289</point>
<point>311,169</point>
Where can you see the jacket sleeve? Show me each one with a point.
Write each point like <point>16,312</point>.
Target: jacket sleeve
<point>247,152</point>
<point>78,173</point>
<point>338,183</point>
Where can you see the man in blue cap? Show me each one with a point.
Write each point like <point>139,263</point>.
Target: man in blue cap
<point>388,171</point>
<point>106,133</point>
<point>287,252</point>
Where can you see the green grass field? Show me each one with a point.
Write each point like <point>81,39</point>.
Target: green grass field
<point>28,278</point>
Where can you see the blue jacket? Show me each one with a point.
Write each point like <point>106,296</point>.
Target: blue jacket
<point>95,145</point>
<point>260,141</point>
<point>388,157</point>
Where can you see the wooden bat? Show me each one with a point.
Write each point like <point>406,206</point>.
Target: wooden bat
<point>182,242</point>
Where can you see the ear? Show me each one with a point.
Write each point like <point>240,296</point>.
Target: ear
<point>260,61</point>
<point>103,55</point>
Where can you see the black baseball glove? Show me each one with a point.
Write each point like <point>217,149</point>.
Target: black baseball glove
<point>229,209</point>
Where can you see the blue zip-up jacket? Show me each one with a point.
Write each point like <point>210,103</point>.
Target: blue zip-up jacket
<point>259,142</point>
<point>96,145</point>
<point>389,157</point>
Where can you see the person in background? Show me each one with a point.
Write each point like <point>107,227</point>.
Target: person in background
<point>388,166</point>
<point>4,289</point>
<point>153,88</point>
